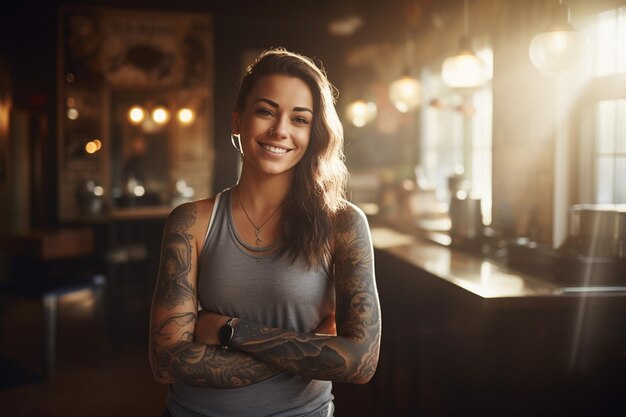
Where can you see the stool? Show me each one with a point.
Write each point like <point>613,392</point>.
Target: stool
<point>45,265</point>
<point>48,292</point>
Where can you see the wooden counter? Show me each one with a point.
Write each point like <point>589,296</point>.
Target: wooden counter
<point>464,335</point>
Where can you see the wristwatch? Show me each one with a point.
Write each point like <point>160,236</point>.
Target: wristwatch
<point>225,333</point>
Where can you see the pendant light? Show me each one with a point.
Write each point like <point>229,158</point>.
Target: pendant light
<point>465,69</point>
<point>361,112</point>
<point>404,92</point>
<point>557,49</point>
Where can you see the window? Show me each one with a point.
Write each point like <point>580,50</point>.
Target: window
<point>603,125</point>
<point>609,156</point>
<point>454,123</point>
<point>609,38</point>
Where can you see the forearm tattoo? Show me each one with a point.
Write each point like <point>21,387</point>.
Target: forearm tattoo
<point>203,365</point>
<point>175,357</point>
<point>298,353</point>
<point>172,325</point>
<point>352,356</point>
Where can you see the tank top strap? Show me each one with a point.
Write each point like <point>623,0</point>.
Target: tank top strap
<point>218,215</point>
<point>213,213</point>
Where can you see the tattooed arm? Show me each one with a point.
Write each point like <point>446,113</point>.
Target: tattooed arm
<point>352,355</point>
<point>174,357</point>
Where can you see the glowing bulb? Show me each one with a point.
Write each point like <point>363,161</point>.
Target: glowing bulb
<point>361,113</point>
<point>97,143</point>
<point>98,190</point>
<point>186,115</point>
<point>160,115</point>
<point>464,70</point>
<point>558,48</point>
<point>91,147</point>
<point>138,190</point>
<point>136,115</point>
<point>405,93</point>
<point>555,52</point>
<point>72,114</point>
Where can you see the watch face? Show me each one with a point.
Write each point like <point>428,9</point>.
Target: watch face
<point>225,334</point>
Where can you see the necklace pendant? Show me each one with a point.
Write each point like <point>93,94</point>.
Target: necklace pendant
<point>257,233</point>
<point>258,260</point>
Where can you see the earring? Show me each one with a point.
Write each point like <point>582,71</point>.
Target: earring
<point>234,136</point>
<point>271,131</point>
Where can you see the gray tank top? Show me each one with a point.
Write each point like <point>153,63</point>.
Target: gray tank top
<point>267,289</point>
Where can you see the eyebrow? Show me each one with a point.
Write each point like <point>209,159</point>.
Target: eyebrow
<point>275,105</point>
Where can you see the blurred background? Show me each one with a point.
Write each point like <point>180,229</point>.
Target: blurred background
<point>486,142</point>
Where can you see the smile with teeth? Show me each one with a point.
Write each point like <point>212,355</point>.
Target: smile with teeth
<point>274,149</point>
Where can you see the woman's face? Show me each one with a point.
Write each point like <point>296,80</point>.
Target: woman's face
<point>283,104</point>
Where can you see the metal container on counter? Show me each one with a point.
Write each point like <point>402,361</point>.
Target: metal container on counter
<point>466,221</point>
<point>594,252</point>
<point>597,229</point>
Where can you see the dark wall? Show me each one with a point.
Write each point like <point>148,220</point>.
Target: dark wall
<point>28,60</point>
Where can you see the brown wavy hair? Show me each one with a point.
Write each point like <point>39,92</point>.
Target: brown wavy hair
<point>320,178</point>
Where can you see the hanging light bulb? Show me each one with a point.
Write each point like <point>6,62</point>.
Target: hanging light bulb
<point>404,93</point>
<point>360,112</point>
<point>465,69</point>
<point>160,115</point>
<point>558,48</point>
<point>186,116</point>
<point>136,115</point>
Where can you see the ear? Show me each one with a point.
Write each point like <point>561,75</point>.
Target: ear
<point>235,124</point>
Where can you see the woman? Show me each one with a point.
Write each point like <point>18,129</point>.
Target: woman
<point>281,264</point>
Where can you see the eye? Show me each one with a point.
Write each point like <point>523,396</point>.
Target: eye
<point>263,111</point>
<point>301,120</point>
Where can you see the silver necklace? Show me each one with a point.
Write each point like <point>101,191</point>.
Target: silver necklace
<point>257,229</point>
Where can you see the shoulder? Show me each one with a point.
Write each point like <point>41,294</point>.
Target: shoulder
<point>348,218</point>
<point>350,226</point>
<point>352,242</point>
<point>192,217</point>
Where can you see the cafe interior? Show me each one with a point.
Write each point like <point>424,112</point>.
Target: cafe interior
<point>485,140</point>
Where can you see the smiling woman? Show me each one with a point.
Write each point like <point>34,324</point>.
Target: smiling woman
<point>281,264</point>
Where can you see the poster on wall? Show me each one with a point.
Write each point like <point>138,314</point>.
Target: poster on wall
<point>137,49</point>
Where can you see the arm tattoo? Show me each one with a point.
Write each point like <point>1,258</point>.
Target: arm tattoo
<point>168,328</point>
<point>352,356</point>
<point>173,287</point>
<point>358,310</point>
<point>203,365</point>
<point>175,357</point>
<point>299,353</point>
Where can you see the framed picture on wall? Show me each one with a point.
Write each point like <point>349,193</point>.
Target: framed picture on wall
<point>135,108</point>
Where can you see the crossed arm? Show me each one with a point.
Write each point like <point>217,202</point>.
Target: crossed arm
<point>351,355</point>
<point>174,356</point>
<point>261,351</point>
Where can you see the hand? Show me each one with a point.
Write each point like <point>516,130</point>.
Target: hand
<point>207,326</point>
<point>327,327</point>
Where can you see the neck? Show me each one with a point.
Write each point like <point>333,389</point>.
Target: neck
<point>261,193</point>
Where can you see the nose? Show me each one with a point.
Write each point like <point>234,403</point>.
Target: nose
<point>281,128</point>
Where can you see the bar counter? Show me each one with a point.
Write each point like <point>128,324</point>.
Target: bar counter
<point>465,335</point>
<point>484,278</point>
